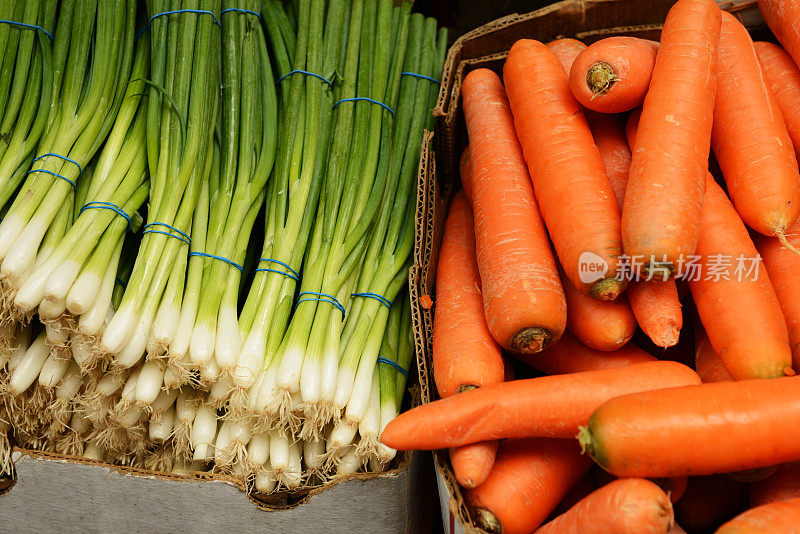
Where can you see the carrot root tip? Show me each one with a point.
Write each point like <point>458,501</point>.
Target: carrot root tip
<point>487,520</point>
<point>785,242</point>
<point>600,77</point>
<point>659,270</point>
<point>607,289</point>
<point>530,340</point>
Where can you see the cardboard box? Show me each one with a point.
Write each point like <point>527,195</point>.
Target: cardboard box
<point>66,495</point>
<point>487,46</point>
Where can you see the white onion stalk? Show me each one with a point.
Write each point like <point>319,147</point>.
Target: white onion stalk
<point>29,366</point>
<point>279,452</point>
<point>161,426</point>
<point>257,452</point>
<point>314,455</point>
<point>348,462</point>
<point>292,477</point>
<point>94,320</point>
<point>369,427</point>
<point>186,406</point>
<point>204,432</point>
<point>220,391</point>
<point>222,446</point>
<point>66,393</point>
<point>265,480</point>
<point>53,369</point>
<point>148,386</point>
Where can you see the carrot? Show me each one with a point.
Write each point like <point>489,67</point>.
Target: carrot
<point>550,406</point>
<point>783,517</point>
<point>465,169</point>
<point>654,303</point>
<point>522,297</point>
<point>783,485</point>
<point>566,50</point>
<point>472,463</point>
<point>727,307</point>
<point>708,502</point>
<point>529,478</point>
<point>707,362</point>
<point>781,265</point>
<point>664,197</point>
<point>697,430</point>
<point>676,529</point>
<point>783,80</point>
<point>629,505</point>
<point>608,132</point>
<point>752,475</point>
<point>574,195</point>
<point>781,16</point>
<point>569,355</point>
<point>602,325</point>
<point>612,75</point>
<point>750,139</point>
<point>464,354</point>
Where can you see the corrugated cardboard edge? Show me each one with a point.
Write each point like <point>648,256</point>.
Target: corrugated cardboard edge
<point>487,46</point>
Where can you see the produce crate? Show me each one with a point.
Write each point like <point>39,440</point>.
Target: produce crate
<point>487,46</point>
<point>67,495</point>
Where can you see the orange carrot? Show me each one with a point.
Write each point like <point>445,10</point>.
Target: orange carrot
<point>781,16</point>
<point>522,297</point>
<point>464,354</point>
<point>529,478</point>
<point>781,265</point>
<point>566,50</point>
<point>550,406</point>
<point>752,475</point>
<point>783,485</point>
<point>574,195</point>
<point>612,75</point>
<point>630,505</point>
<point>676,529</point>
<point>664,197</point>
<point>738,307</point>
<point>632,126</point>
<point>783,79</point>
<point>750,139</point>
<point>708,502</point>
<point>707,362</point>
<point>602,325</point>
<point>654,303</point>
<point>569,355</point>
<point>608,132</point>
<point>472,463</point>
<point>783,517</point>
<point>465,168</point>
<point>697,430</point>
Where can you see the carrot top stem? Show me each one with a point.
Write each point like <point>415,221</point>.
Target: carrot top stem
<point>488,521</point>
<point>600,77</point>
<point>590,446</point>
<point>607,288</point>
<point>531,339</point>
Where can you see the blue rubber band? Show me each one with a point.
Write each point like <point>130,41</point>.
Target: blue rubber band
<point>307,73</point>
<point>70,182</point>
<point>321,297</point>
<point>182,237</point>
<point>381,104</point>
<point>107,206</point>
<point>421,77</point>
<point>394,364</point>
<point>121,282</point>
<point>380,298</point>
<point>140,32</point>
<point>291,274</point>
<point>65,158</point>
<point>198,11</point>
<point>220,258</point>
<point>240,10</point>
<point>29,26</point>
